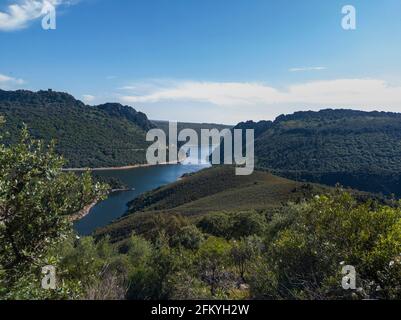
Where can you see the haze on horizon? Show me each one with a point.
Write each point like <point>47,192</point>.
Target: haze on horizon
<point>220,62</point>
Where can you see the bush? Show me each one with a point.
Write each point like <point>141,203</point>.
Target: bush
<point>190,237</point>
<point>328,232</point>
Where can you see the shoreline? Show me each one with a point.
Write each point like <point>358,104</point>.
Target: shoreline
<point>134,166</point>
<point>83,212</point>
<point>86,210</point>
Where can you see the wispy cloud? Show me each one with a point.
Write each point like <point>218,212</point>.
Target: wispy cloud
<point>7,82</point>
<point>19,14</point>
<point>334,93</point>
<point>302,69</point>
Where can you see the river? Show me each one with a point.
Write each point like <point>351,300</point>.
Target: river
<point>141,180</point>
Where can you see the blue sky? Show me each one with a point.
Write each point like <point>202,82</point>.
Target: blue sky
<point>208,60</point>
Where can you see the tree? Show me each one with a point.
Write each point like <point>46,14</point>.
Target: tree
<point>36,200</point>
<point>213,261</point>
<point>233,225</point>
<point>243,251</point>
<point>248,223</point>
<point>190,237</point>
<point>217,224</point>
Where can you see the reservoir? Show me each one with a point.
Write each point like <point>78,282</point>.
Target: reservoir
<point>141,180</point>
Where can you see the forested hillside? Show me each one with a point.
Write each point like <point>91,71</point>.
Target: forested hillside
<point>357,149</point>
<point>87,136</point>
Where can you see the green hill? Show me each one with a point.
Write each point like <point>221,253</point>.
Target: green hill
<point>87,136</point>
<point>358,149</point>
<point>212,190</point>
<point>218,189</point>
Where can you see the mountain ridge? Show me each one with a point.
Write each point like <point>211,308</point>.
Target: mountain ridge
<point>355,148</point>
<point>87,136</point>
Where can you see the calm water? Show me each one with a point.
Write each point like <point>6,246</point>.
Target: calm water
<point>142,180</point>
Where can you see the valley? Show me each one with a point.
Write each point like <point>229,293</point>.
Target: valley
<point>166,225</point>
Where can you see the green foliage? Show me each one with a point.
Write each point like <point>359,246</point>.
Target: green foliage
<point>217,224</point>
<point>36,198</point>
<point>328,232</point>
<point>294,252</point>
<point>148,280</point>
<point>185,286</point>
<point>244,252</point>
<point>213,259</point>
<point>139,251</point>
<point>190,237</point>
<point>235,225</point>
<point>247,224</point>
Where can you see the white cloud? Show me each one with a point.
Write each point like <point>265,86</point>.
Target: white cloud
<point>18,14</point>
<point>218,93</point>
<point>306,69</point>
<point>7,81</point>
<point>88,98</point>
<point>360,93</point>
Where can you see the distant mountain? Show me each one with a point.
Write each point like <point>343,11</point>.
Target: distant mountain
<point>87,136</point>
<point>119,111</point>
<point>258,127</point>
<point>355,148</point>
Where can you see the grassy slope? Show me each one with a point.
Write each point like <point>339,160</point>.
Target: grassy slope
<point>211,190</point>
<point>217,188</point>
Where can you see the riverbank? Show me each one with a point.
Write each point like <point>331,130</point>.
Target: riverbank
<point>85,210</point>
<point>134,166</point>
<point>82,213</point>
